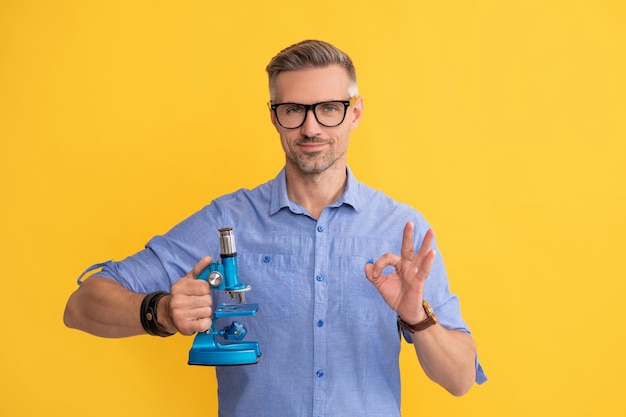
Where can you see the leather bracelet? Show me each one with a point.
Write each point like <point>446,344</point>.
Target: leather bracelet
<point>148,314</point>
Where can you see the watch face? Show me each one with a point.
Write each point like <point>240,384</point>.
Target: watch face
<point>429,309</point>
<point>432,318</point>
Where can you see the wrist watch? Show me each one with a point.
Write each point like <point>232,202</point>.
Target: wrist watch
<point>430,319</point>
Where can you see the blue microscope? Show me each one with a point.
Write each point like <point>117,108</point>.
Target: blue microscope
<point>206,350</point>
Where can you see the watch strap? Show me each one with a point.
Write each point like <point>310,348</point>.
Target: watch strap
<point>430,320</point>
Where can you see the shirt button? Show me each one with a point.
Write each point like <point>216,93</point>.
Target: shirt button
<point>320,323</point>
<point>320,228</point>
<point>320,277</point>
<point>319,373</point>
<point>266,259</point>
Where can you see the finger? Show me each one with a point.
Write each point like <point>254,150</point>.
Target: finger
<point>408,250</point>
<point>373,272</point>
<point>203,325</point>
<point>195,314</point>
<point>189,286</point>
<point>188,312</point>
<point>427,262</point>
<point>200,266</point>
<point>369,271</point>
<point>427,243</point>
<point>190,327</point>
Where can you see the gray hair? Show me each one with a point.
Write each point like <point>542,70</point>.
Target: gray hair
<point>310,54</point>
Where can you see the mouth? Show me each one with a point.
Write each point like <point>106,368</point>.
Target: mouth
<point>312,144</point>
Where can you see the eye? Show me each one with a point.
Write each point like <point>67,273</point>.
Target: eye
<point>331,107</point>
<point>291,109</point>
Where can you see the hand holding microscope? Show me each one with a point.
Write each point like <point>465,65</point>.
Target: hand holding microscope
<point>208,347</point>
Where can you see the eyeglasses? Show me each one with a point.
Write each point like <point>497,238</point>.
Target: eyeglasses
<point>327,113</point>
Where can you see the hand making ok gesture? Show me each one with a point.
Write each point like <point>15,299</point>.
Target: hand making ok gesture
<point>403,289</point>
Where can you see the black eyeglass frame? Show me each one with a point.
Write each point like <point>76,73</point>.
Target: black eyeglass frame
<point>311,107</point>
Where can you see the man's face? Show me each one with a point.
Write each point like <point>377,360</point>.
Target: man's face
<point>313,148</point>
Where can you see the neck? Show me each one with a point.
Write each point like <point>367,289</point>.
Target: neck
<point>316,191</point>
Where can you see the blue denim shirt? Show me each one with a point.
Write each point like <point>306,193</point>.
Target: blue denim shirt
<point>329,342</point>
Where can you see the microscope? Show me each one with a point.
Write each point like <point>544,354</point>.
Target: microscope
<point>206,349</point>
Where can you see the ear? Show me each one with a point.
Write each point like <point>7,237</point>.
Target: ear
<point>357,112</point>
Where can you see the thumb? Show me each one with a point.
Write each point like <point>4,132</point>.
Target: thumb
<point>199,267</point>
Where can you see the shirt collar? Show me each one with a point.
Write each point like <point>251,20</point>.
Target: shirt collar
<point>279,199</point>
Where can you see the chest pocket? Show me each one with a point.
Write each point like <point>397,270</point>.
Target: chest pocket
<point>276,284</point>
<point>360,300</point>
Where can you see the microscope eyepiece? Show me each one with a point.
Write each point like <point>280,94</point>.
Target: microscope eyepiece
<point>227,242</point>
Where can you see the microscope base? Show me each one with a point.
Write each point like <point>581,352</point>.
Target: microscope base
<point>225,354</point>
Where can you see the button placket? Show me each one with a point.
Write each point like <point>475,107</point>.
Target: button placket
<point>320,337</point>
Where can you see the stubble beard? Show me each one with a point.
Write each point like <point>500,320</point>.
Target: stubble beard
<point>312,163</point>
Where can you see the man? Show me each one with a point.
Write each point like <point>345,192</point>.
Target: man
<point>317,248</point>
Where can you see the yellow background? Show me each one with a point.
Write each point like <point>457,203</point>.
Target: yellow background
<point>502,121</point>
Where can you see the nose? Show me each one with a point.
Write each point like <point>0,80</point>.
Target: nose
<point>310,127</point>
